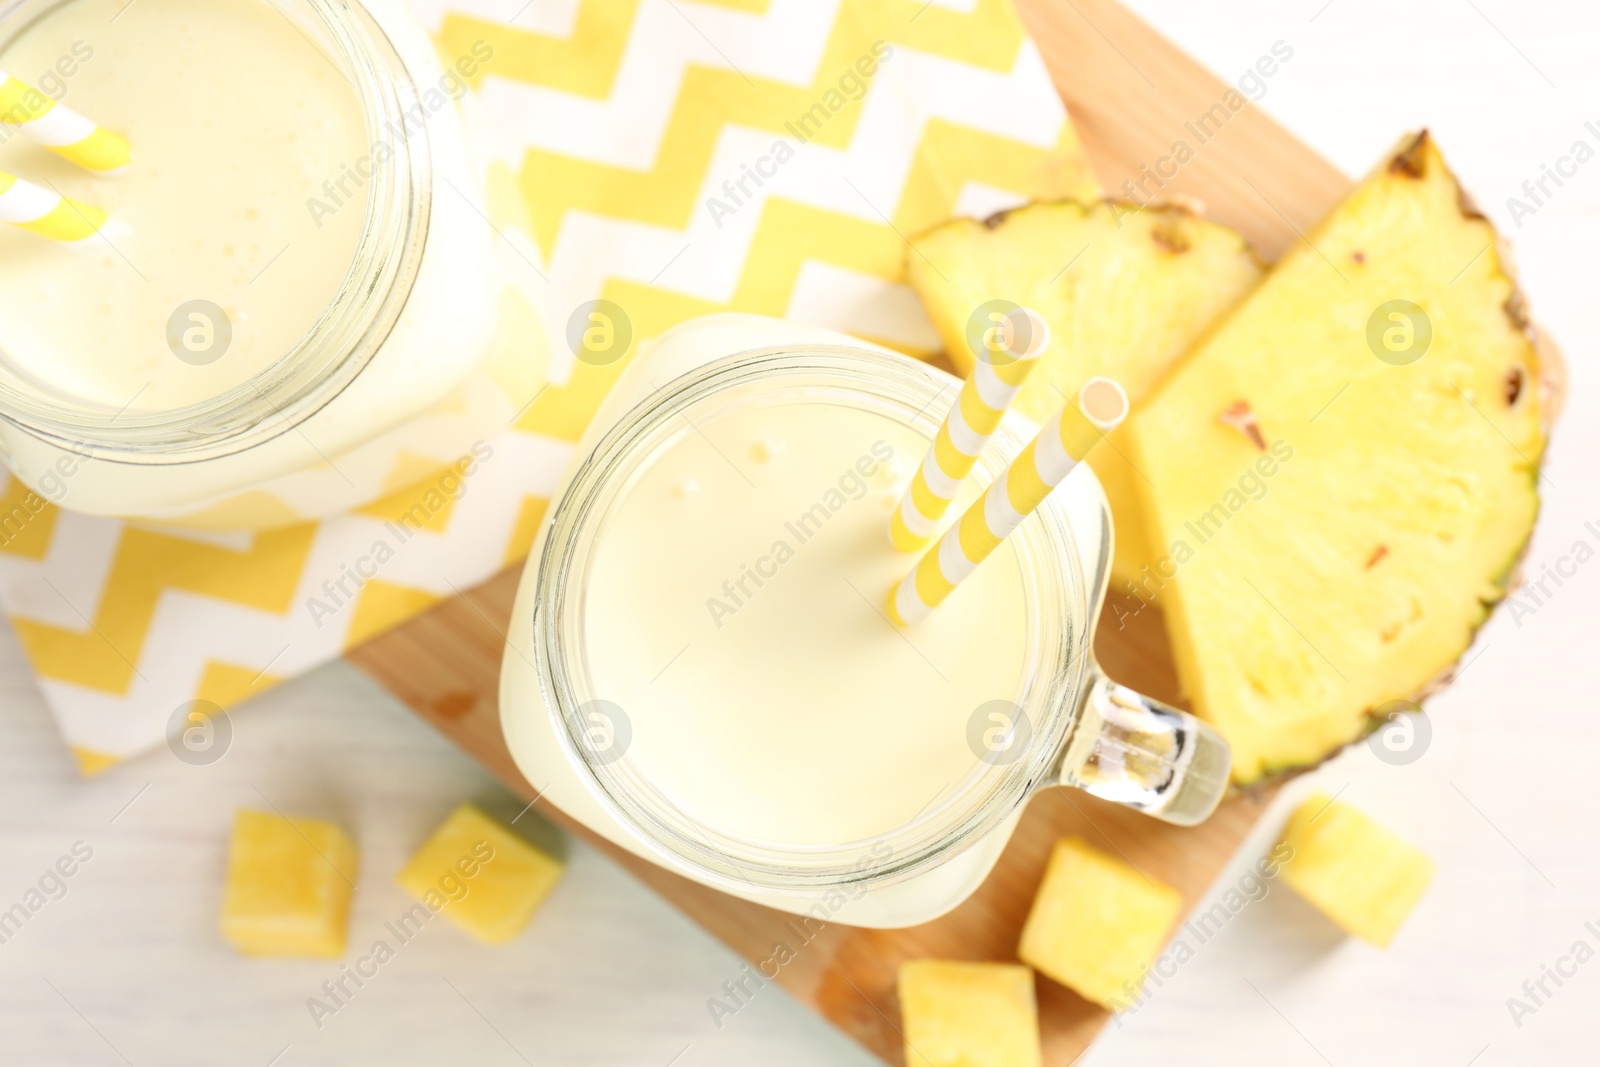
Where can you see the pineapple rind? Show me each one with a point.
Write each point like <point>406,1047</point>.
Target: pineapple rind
<point>1355,871</point>
<point>1126,291</point>
<point>1286,632</point>
<point>958,1014</point>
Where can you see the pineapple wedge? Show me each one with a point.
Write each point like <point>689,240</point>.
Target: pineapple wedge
<point>289,886</point>
<point>1126,291</point>
<point>1356,872</point>
<point>1097,924</point>
<point>1345,471</point>
<point>480,875</point>
<point>968,1014</point>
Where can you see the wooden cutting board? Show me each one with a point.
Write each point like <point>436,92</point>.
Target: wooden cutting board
<point>1130,93</point>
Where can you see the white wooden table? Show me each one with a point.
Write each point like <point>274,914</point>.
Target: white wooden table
<point>127,966</point>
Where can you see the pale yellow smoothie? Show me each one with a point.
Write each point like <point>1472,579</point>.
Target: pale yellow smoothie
<point>734,612</point>
<point>237,120</point>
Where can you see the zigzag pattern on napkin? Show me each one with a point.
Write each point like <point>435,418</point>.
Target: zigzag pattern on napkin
<point>607,127</point>
<point>874,171</point>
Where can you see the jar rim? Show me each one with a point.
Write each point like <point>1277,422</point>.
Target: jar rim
<point>1058,640</point>
<point>357,318</point>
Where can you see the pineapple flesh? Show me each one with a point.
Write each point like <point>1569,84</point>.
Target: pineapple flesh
<point>1343,475</point>
<point>956,1014</point>
<point>1097,924</point>
<point>481,875</point>
<point>1126,291</point>
<point>1353,870</point>
<point>289,886</point>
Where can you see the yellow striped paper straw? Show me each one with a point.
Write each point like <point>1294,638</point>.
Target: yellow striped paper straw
<point>60,129</point>
<point>1063,443</point>
<point>46,213</point>
<point>1002,365</point>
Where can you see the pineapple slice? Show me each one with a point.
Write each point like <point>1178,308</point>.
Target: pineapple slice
<point>1126,291</point>
<point>289,886</point>
<point>1356,872</point>
<point>968,1014</point>
<point>480,875</point>
<point>1097,924</point>
<point>1346,470</point>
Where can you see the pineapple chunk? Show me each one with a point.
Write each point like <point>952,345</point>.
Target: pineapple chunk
<point>1096,924</point>
<point>480,875</point>
<point>968,1014</point>
<point>1345,505</point>
<point>289,886</point>
<point>1356,872</point>
<point>1126,291</point>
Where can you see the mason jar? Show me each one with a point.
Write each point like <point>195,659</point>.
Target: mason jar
<point>295,307</point>
<point>784,741</point>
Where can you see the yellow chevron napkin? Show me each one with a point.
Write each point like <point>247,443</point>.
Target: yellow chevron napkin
<point>674,157</point>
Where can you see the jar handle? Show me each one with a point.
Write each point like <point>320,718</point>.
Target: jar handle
<point>1139,752</point>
